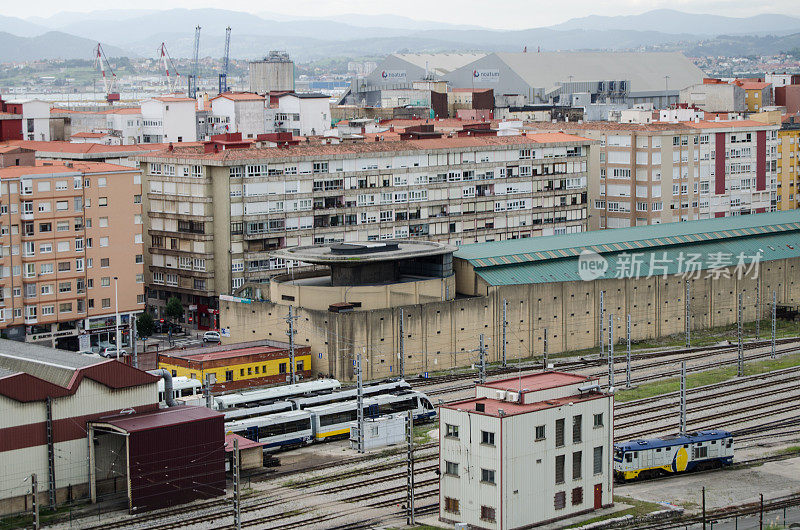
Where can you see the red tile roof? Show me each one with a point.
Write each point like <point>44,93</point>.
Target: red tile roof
<point>58,166</point>
<point>72,148</point>
<point>89,135</point>
<point>171,99</point>
<point>729,124</point>
<point>244,443</point>
<point>196,355</point>
<point>754,85</point>
<point>534,382</point>
<point>492,407</point>
<point>240,96</point>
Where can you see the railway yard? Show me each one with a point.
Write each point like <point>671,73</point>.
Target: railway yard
<point>326,486</point>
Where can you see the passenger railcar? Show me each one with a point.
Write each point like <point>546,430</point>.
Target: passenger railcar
<point>370,390</point>
<point>182,387</point>
<point>278,393</point>
<point>276,431</point>
<point>672,454</point>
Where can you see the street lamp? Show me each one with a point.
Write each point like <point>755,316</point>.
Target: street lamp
<point>116,302</point>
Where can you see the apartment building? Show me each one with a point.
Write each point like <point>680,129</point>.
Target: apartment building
<point>302,114</point>
<point>124,124</point>
<point>67,229</point>
<point>526,451</point>
<point>666,172</point>
<point>243,112</point>
<point>169,119</point>
<point>789,164</point>
<point>214,215</point>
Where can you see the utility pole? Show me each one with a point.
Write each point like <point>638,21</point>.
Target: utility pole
<point>134,332</point>
<point>505,323</point>
<point>207,391</point>
<point>740,371</point>
<point>602,326</point>
<point>544,361</point>
<point>51,453</point>
<point>35,504</point>
<point>610,350</point>
<point>628,354</point>
<point>774,312</point>
<point>237,487</point>
<point>683,399</point>
<point>401,344</point>
<point>360,405</point>
<point>686,318</point>
<point>482,363</point>
<point>758,307</point>
<point>410,468</point>
<point>290,320</point>
<point>704,508</point>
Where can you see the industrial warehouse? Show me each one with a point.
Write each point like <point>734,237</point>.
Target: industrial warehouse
<point>538,283</point>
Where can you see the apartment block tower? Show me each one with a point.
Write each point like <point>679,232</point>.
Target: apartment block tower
<point>215,214</point>
<point>69,232</point>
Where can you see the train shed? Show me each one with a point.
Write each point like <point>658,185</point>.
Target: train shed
<point>167,457</point>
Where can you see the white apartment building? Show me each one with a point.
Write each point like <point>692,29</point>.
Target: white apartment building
<point>169,119</point>
<point>666,172</point>
<point>241,112</point>
<point>526,451</point>
<point>35,120</point>
<point>302,114</point>
<point>213,216</point>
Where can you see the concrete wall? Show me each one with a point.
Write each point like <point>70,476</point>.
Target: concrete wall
<point>443,335</point>
<point>714,97</point>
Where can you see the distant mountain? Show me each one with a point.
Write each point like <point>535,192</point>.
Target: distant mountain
<point>18,26</point>
<point>732,45</point>
<point>64,18</point>
<point>671,21</point>
<point>375,21</point>
<point>51,45</point>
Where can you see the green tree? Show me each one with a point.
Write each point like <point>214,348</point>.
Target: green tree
<point>144,324</point>
<point>174,308</point>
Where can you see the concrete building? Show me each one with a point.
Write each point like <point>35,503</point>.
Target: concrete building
<point>243,112</point>
<point>789,164</point>
<point>102,138</point>
<point>238,365</point>
<point>664,172</point>
<point>526,451</point>
<point>36,120</point>
<point>713,95</point>
<point>273,73</point>
<point>302,114</point>
<point>68,229</point>
<point>781,79</point>
<point>41,386</point>
<point>215,216</point>
<point>757,95</point>
<point>169,119</point>
<point>11,155</point>
<point>124,124</point>
<point>789,97</point>
<point>610,77</point>
<point>537,281</point>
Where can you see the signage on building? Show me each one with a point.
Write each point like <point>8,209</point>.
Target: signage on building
<point>84,343</point>
<point>225,332</point>
<point>55,335</point>
<point>228,298</point>
<point>193,307</point>
<point>393,75</point>
<point>486,76</point>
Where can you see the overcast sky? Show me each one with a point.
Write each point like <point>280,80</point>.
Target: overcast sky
<point>510,14</point>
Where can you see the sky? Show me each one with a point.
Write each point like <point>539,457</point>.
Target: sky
<point>501,14</point>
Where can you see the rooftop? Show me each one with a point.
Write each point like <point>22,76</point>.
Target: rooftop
<point>240,96</point>
<point>492,407</point>
<point>536,382</point>
<point>60,167</point>
<point>157,419</point>
<point>224,352</point>
<point>355,253</point>
<point>86,150</point>
<point>244,443</point>
<point>89,135</point>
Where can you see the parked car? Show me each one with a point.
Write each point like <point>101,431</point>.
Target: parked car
<point>211,336</point>
<point>111,352</point>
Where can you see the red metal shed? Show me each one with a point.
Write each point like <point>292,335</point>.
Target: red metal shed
<point>168,456</point>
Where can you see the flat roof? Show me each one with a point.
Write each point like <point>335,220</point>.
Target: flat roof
<point>157,419</point>
<point>364,252</point>
<point>244,443</point>
<point>199,355</point>
<point>534,382</point>
<point>492,407</point>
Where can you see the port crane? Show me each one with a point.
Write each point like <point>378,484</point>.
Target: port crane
<point>223,77</point>
<point>195,65</point>
<point>172,82</point>
<point>101,62</point>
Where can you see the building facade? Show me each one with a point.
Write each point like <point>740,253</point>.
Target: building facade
<point>788,195</point>
<point>243,112</point>
<point>214,217</point>
<point>169,119</point>
<point>67,230</point>
<point>553,426</point>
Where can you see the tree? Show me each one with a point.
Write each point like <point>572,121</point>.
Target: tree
<point>174,308</point>
<point>144,324</point>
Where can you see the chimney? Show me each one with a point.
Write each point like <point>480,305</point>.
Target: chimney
<point>170,147</point>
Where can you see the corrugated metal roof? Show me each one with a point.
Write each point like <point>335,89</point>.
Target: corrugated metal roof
<point>601,241</point>
<point>667,260</point>
<point>161,418</point>
<point>50,364</point>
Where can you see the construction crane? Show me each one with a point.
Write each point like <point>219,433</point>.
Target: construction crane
<point>101,62</point>
<point>195,66</point>
<point>223,77</point>
<point>167,60</point>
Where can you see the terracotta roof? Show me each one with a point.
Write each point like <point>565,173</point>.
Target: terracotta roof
<point>315,150</point>
<point>196,355</point>
<point>541,381</point>
<point>492,407</point>
<point>605,126</point>
<point>729,124</point>
<point>73,148</point>
<point>89,135</point>
<point>58,166</point>
<point>244,443</point>
<point>754,85</point>
<point>12,149</point>
<point>240,96</point>
<point>171,99</point>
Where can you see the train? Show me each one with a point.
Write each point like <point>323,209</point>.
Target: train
<point>183,389</point>
<point>323,422</point>
<point>668,455</point>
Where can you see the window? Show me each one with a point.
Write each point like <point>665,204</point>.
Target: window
<point>137,199</point>
<point>451,431</point>
<point>64,287</point>
<point>101,182</point>
<point>540,432</point>
<point>598,460</point>
<point>577,465</point>
<point>487,438</point>
<point>65,308</point>
<point>62,206</point>
<point>450,468</point>
<point>102,201</point>
<point>62,246</point>
<point>105,262</point>
<point>47,289</point>
<point>577,496</point>
<point>451,505</point>
<point>487,514</point>
<point>46,268</point>
<point>45,227</point>
<point>598,420</point>
<point>560,432</point>
<point>139,259</point>
<point>78,203</point>
<point>487,475</point>
<point>103,222</point>
<point>103,241</point>
<point>577,431</point>
<point>105,281</point>
<point>48,310</point>
<point>560,469</point>
<point>228,375</point>
<point>105,303</point>
<point>560,500</point>
<point>64,266</point>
